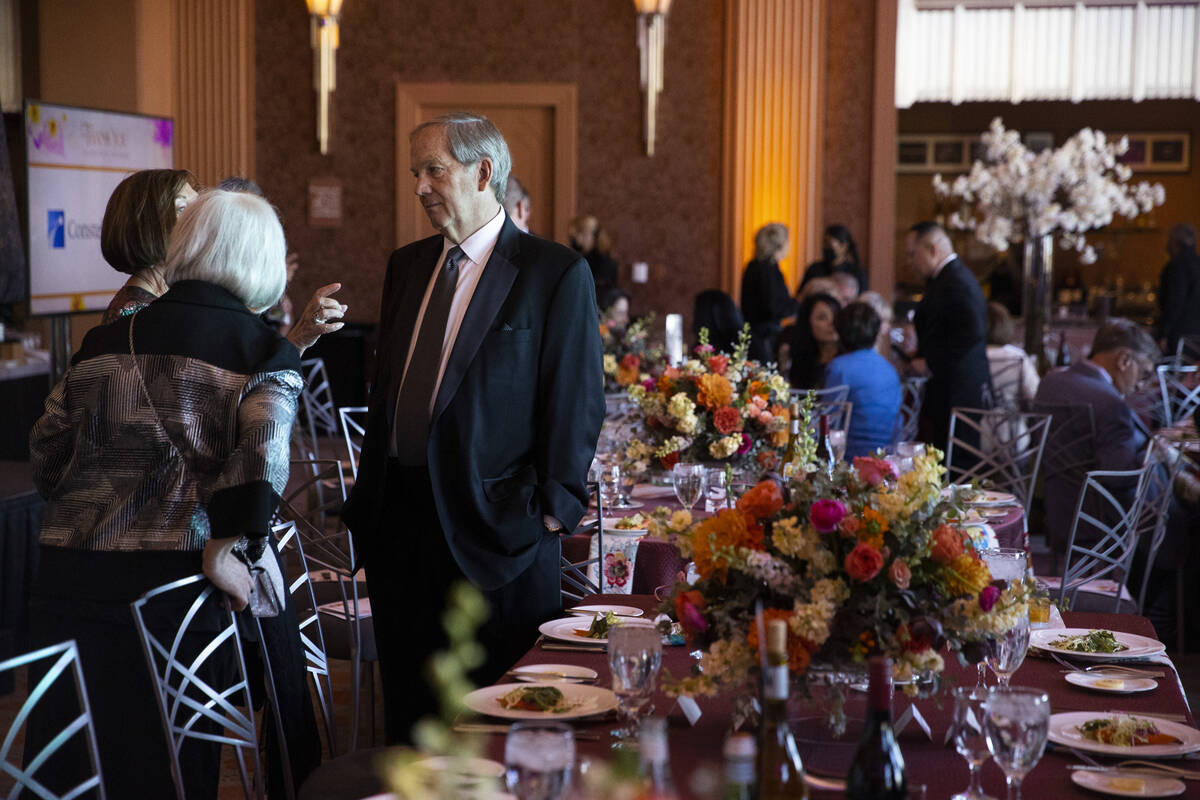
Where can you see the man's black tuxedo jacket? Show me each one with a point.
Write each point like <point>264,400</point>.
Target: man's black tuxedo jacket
<point>517,414</point>
<point>951,323</point>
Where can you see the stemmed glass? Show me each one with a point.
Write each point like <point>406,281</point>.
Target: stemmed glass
<point>539,757</point>
<point>688,480</point>
<point>1016,723</point>
<point>716,490</point>
<point>634,658</point>
<point>969,737</point>
<point>610,487</point>
<point>837,440</point>
<point>1006,652</point>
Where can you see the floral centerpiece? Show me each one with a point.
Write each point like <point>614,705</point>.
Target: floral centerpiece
<point>864,562</point>
<point>713,407</point>
<point>629,355</point>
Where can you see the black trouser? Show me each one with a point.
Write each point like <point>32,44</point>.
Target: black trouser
<point>409,571</point>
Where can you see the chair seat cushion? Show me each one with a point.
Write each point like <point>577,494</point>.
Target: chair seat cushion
<point>1095,595</point>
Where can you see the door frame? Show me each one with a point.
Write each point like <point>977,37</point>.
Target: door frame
<point>412,97</point>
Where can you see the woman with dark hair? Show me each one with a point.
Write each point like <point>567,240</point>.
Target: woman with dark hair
<point>766,301</point>
<point>717,312</point>
<point>874,384</point>
<point>812,342</point>
<point>840,255</point>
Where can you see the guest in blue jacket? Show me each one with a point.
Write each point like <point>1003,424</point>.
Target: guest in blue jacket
<point>874,384</point>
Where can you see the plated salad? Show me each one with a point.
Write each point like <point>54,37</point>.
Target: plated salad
<point>535,698</point>
<point>599,627</point>
<point>1125,731</point>
<point>1091,642</point>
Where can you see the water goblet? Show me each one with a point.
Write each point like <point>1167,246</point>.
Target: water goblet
<point>716,490</point>
<point>1016,724</point>
<point>1005,652</point>
<point>688,480</point>
<point>837,440</point>
<point>969,737</point>
<point>634,658</point>
<point>610,487</point>
<point>539,758</point>
<point>1006,563</point>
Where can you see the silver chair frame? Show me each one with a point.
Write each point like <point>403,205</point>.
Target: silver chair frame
<point>175,686</point>
<point>66,657</point>
<point>1001,457</point>
<point>912,396</point>
<point>575,573</point>
<point>830,394</point>
<point>1178,400</point>
<point>1008,384</point>
<point>1113,554</point>
<point>316,403</point>
<point>1152,523</point>
<point>353,432</point>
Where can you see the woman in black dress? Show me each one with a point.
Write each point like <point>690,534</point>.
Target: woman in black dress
<point>840,255</point>
<point>766,301</point>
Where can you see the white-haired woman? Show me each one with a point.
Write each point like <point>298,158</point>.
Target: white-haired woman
<point>766,301</point>
<point>166,443</point>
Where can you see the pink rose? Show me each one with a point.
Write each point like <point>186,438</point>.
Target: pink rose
<point>826,514</point>
<point>900,574</point>
<point>747,443</point>
<point>849,526</point>
<point>649,385</point>
<point>863,563</point>
<point>766,418</point>
<point>873,470</point>
<point>988,597</point>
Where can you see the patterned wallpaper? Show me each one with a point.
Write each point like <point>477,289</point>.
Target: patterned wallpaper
<point>663,210</point>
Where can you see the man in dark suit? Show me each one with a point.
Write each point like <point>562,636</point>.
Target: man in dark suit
<point>1179,288</point>
<point>951,324</point>
<point>484,414</point>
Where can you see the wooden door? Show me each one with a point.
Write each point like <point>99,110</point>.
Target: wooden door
<point>538,122</point>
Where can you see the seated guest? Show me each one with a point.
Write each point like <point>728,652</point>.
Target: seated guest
<point>883,342</point>
<point>614,309</point>
<point>847,287</point>
<point>812,342</point>
<point>716,311</point>
<point>1014,376</point>
<point>594,244</point>
<point>874,384</point>
<point>840,255</point>
<point>163,447</point>
<point>766,301</point>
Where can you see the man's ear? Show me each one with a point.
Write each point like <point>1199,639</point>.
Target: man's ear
<point>484,176</point>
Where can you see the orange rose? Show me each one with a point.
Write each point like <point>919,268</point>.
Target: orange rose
<point>763,501</point>
<point>727,420</point>
<point>714,392</point>
<point>724,531</point>
<point>670,460</point>
<point>718,364</point>
<point>947,544</point>
<point>626,376</point>
<point>849,526</point>
<point>863,563</point>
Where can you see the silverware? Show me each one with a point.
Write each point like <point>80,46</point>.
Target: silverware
<point>1149,770</point>
<point>535,676</point>
<point>573,648</point>
<point>1095,668</point>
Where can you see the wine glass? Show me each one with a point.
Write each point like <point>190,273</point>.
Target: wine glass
<point>837,441</point>
<point>1016,723</point>
<point>539,757</point>
<point>1005,652</point>
<point>716,490</point>
<point>610,487</point>
<point>634,658</point>
<point>688,480</point>
<point>1006,563</point>
<point>969,737</point>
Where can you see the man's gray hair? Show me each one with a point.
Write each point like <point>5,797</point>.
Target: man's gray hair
<point>470,139</point>
<point>1118,333</point>
<point>234,240</point>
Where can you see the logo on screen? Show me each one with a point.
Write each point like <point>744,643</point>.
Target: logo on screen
<point>56,227</point>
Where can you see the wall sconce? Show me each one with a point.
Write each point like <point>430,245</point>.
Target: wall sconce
<point>652,39</point>
<point>324,19</point>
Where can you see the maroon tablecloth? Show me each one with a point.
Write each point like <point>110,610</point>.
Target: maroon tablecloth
<point>698,748</point>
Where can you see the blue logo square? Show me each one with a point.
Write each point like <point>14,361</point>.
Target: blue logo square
<point>56,227</point>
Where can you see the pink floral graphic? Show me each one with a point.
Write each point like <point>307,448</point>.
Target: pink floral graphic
<point>616,569</point>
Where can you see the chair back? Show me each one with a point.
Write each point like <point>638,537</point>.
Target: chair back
<point>1008,383</point>
<point>1163,465</point>
<point>838,411</point>
<point>1187,350</point>
<point>1180,390</point>
<point>658,565</point>
<point>1103,534</point>
<point>830,394</point>
<point>318,413</point>
<point>316,492</point>
<point>199,676</point>
<point>912,395</point>
<point>63,659</point>
<point>354,428</point>
<point>575,580</point>
<point>997,446</point>
<point>312,638</point>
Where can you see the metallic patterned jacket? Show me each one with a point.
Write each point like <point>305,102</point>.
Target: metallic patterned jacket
<point>200,452</point>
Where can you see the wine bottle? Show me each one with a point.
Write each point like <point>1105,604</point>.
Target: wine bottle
<point>780,770</point>
<point>653,768</point>
<point>877,772</point>
<point>739,767</point>
<point>825,455</point>
<point>792,461</point>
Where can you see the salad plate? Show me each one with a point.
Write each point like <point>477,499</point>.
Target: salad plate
<point>578,700</point>
<point>986,497</point>
<point>553,673</point>
<point>1065,730</point>
<point>1135,646</point>
<point>567,629</point>
<point>1120,784</point>
<point>1111,684</point>
<point>602,608</point>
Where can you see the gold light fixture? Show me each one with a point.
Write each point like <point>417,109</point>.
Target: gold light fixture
<point>652,39</point>
<point>324,20</point>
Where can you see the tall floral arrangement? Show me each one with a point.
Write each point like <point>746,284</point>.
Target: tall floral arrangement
<point>1064,192</point>
<point>713,407</point>
<point>859,563</point>
<point>629,354</point>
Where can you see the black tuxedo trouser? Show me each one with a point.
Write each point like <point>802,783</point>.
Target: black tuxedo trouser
<point>410,570</point>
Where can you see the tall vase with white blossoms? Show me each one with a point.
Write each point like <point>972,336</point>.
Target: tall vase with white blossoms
<point>1018,195</point>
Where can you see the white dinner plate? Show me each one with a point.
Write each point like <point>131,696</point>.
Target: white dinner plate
<point>610,529</point>
<point>622,506</point>
<point>1064,729</point>
<point>564,629</point>
<point>601,608</point>
<point>1139,646</point>
<point>1103,782</point>
<point>1107,683</point>
<point>554,673</point>
<point>585,701</point>
<point>990,498</point>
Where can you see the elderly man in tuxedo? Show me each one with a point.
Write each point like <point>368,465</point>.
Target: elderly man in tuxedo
<point>951,325</point>
<point>484,414</point>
